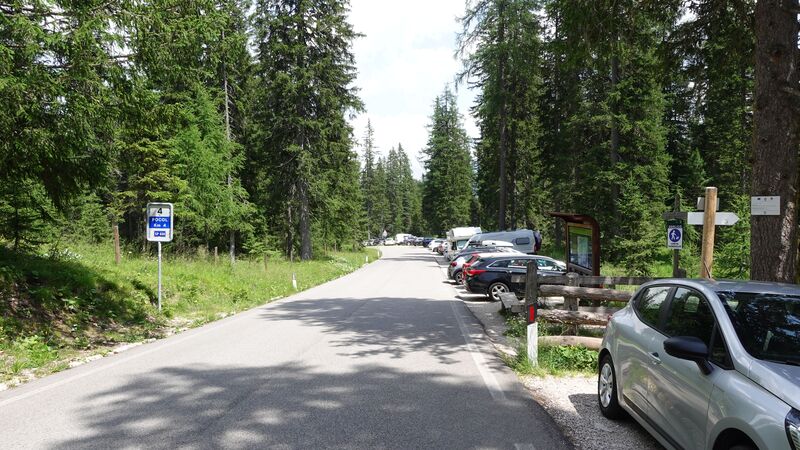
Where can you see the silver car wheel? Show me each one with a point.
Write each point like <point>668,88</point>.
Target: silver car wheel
<point>497,289</point>
<point>606,385</point>
<point>459,277</point>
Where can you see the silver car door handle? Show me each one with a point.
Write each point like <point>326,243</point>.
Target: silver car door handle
<point>654,358</point>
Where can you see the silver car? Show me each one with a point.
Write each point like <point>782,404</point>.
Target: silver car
<point>705,364</point>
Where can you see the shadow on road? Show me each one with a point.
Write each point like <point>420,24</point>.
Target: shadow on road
<point>297,406</point>
<point>381,326</point>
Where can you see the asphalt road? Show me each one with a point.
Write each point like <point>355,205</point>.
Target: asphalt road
<point>385,357</point>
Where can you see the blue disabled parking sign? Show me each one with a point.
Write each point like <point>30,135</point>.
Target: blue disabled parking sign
<point>675,237</point>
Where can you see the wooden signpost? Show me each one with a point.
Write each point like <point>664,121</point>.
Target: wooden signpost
<point>709,219</point>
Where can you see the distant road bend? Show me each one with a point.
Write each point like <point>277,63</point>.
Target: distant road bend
<point>385,357</point>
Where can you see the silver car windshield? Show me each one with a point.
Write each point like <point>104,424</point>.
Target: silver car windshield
<point>768,325</point>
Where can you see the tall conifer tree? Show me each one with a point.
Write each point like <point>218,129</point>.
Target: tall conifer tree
<point>304,75</point>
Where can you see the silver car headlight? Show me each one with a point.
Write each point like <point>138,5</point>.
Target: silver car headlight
<point>793,428</point>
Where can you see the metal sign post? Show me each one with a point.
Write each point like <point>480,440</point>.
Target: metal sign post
<point>159,276</point>
<point>159,229</point>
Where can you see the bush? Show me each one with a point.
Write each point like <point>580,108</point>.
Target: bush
<point>555,360</point>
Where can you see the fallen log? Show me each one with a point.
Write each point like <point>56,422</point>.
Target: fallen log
<point>584,293</point>
<point>572,317</point>
<point>592,343</point>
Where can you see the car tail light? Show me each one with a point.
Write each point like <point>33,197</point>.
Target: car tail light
<point>473,272</point>
<point>453,264</point>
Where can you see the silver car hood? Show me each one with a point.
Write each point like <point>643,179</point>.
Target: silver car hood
<point>782,380</point>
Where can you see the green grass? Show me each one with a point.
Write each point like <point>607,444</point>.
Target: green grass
<point>553,360</point>
<point>55,307</point>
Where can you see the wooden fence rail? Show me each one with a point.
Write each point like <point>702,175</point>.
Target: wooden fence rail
<point>586,293</point>
<point>573,288</point>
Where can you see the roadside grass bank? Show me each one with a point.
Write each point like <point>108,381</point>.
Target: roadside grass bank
<point>59,308</point>
<point>554,360</point>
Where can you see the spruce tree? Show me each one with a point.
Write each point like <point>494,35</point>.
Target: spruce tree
<point>501,50</point>
<point>56,104</point>
<point>304,74</point>
<point>368,187</point>
<point>448,180</point>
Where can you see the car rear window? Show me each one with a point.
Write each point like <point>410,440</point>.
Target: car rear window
<point>768,325</point>
<point>501,263</point>
<point>522,241</point>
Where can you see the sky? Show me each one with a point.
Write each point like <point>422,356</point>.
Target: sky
<point>405,60</point>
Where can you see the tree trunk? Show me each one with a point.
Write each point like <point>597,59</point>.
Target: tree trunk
<point>290,225</point>
<point>776,139</point>
<point>228,138</point>
<point>502,199</point>
<point>614,153</point>
<point>305,221</point>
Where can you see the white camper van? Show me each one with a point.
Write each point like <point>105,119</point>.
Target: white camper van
<point>457,239</point>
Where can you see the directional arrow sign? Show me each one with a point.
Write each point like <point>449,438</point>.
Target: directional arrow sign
<point>723,218</point>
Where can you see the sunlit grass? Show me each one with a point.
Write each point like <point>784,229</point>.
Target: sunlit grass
<point>53,307</point>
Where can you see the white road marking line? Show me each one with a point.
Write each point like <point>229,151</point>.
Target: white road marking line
<point>488,377</point>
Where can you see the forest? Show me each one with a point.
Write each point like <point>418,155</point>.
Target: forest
<point>238,111</point>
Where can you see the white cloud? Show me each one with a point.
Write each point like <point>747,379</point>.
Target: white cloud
<point>404,61</point>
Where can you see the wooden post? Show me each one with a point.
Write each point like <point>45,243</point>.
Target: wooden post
<point>571,303</point>
<point>216,255</point>
<point>531,299</point>
<point>531,284</point>
<point>709,226</point>
<point>117,253</point>
<point>266,261</point>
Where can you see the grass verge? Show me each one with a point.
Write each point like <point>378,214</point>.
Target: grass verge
<point>56,308</point>
<point>553,360</point>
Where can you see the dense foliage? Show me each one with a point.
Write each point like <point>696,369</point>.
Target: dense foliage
<point>109,105</point>
<point>613,108</point>
<point>237,111</point>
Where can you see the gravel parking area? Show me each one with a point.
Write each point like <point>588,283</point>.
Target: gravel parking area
<point>572,402</point>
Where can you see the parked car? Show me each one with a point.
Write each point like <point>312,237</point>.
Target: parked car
<point>434,243</point>
<point>426,241</point>
<point>389,241</point>
<point>495,275</point>
<point>457,239</point>
<point>525,241</point>
<point>704,364</point>
<point>454,270</point>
